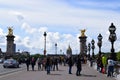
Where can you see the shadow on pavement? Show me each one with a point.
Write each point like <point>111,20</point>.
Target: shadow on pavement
<point>84,75</point>
<point>55,74</point>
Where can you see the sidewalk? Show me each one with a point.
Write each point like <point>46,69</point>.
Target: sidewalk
<point>88,73</point>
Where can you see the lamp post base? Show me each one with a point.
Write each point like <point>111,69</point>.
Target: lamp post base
<point>113,55</point>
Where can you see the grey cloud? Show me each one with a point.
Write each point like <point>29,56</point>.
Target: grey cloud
<point>20,17</point>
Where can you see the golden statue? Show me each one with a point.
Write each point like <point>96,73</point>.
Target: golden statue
<point>83,32</point>
<point>10,31</point>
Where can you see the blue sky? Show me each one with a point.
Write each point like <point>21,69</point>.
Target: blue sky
<point>61,19</point>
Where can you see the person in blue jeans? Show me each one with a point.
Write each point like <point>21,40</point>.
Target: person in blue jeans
<point>70,64</point>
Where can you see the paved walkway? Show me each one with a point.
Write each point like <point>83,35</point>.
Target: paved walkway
<point>88,73</point>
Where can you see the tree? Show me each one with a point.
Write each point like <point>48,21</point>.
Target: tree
<point>118,56</point>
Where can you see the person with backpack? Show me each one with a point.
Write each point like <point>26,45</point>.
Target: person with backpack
<point>110,67</point>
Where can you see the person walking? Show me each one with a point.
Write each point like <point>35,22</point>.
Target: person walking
<point>70,64</point>
<point>104,62</point>
<point>78,65</point>
<point>48,65</point>
<point>39,62</point>
<point>27,63</point>
<point>91,61</point>
<point>55,64</point>
<point>32,63</point>
<point>110,67</point>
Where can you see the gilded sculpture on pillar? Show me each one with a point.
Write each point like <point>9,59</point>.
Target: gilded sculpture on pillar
<point>10,31</point>
<point>83,32</point>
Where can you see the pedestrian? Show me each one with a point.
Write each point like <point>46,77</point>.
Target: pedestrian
<point>70,64</point>
<point>55,64</point>
<point>48,65</point>
<point>110,67</point>
<point>32,63</point>
<point>27,63</point>
<point>78,65</point>
<point>99,64</point>
<point>44,63</point>
<point>91,61</point>
<point>39,62</point>
<point>104,62</point>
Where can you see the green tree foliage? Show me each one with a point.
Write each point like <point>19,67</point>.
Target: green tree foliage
<point>107,54</point>
<point>36,55</point>
<point>118,56</point>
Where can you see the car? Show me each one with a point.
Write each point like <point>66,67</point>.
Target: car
<point>11,63</point>
<point>1,60</point>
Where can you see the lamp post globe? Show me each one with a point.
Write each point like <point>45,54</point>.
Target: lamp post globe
<point>112,39</point>
<point>99,43</point>
<point>112,28</point>
<point>93,47</point>
<point>45,34</point>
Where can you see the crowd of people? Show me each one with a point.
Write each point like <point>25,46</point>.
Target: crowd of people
<point>104,64</point>
<point>51,63</point>
<point>42,63</point>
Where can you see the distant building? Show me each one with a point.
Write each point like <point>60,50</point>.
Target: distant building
<point>69,51</point>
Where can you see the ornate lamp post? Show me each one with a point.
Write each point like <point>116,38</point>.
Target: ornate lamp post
<point>89,48</point>
<point>45,34</point>
<point>99,43</point>
<point>112,39</point>
<point>93,47</point>
<point>56,48</point>
<point>85,51</point>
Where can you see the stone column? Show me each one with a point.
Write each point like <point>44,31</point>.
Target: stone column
<point>10,43</point>
<point>83,45</point>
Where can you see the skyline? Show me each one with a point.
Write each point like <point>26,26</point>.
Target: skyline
<point>62,20</point>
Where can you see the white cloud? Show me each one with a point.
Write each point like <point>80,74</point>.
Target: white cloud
<point>19,15</point>
<point>26,42</point>
<point>2,37</point>
<point>18,39</point>
<point>51,12</point>
<point>28,28</point>
<point>2,40</point>
<point>1,31</point>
